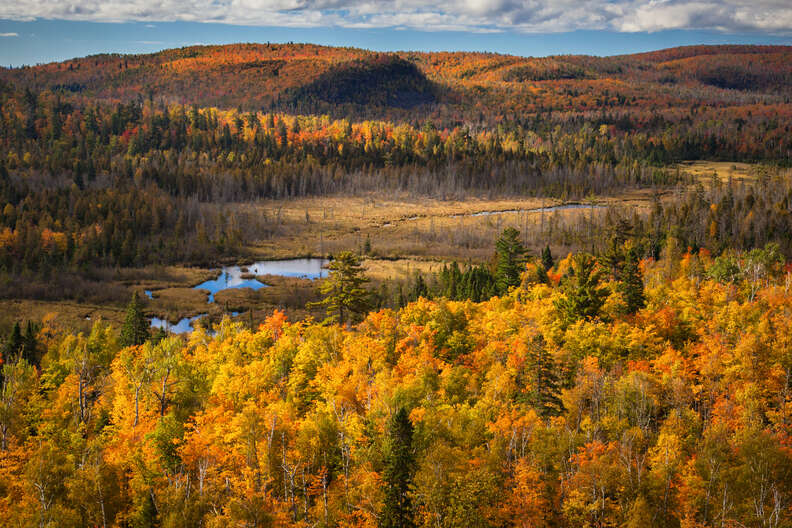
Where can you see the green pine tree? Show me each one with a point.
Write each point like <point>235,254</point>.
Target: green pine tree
<point>401,298</point>
<point>420,289</point>
<point>397,511</point>
<point>547,258</point>
<point>583,296</point>
<point>13,343</point>
<point>345,297</point>
<point>30,347</point>
<point>541,275</point>
<point>544,394</point>
<point>631,285</point>
<point>613,258</point>
<point>135,330</point>
<point>511,260</point>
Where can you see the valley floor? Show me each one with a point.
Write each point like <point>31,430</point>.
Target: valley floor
<point>406,234</point>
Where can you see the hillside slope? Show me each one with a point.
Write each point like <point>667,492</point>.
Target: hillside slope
<point>306,77</point>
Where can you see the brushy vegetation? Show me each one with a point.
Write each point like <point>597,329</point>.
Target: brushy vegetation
<point>536,408</point>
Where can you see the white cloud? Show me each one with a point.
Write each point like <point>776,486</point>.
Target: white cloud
<point>9,34</point>
<point>773,16</point>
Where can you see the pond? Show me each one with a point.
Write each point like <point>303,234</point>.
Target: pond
<point>234,277</point>
<point>182,327</point>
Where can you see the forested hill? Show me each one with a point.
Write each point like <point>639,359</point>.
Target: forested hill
<point>306,78</point>
<point>82,140</point>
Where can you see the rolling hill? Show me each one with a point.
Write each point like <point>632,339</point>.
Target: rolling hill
<point>306,78</point>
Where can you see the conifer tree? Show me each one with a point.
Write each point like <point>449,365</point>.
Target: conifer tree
<point>583,296</point>
<point>613,258</point>
<point>397,511</point>
<point>450,281</point>
<point>135,330</point>
<point>511,260</point>
<point>632,286</point>
<point>544,383</point>
<point>14,342</point>
<point>540,274</point>
<point>401,298</point>
<point>30,349</point>
<point>345,297</point>
<point>547,258</point>
<point>420,289</point>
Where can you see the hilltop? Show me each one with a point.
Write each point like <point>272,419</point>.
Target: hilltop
<point>307,78</point>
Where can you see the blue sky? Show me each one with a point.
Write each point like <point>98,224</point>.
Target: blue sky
<point>35,31</point>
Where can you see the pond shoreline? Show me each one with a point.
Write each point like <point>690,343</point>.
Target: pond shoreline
<point>241,277</point>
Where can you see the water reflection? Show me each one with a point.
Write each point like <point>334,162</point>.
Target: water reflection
<point>234,277</point>
<point>182,327</point>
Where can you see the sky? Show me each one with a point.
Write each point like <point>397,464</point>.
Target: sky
<point>37,31</point>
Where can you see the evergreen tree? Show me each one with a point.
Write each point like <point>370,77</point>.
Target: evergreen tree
<point>547,258</point>
<point>420,289</point>
<point>135,330</point>
<point>397,511</point>
<point>13,343</point>
<point>450,282</point>
<point>511,260</point>
<point>402,298</point>
<point>544,383</point>
<point>345,297</point>
<point>583,296</point>
<point>613,258</point>
<point>541,274</point>
<point>632,286</point>
<point>158,335</point>
<point>383,298</point>
<point>476,284</point>
<point>454,280</point>
<point>30,349</point>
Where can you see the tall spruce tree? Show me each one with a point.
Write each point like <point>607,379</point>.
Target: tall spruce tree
<point>547,258</point>
<point>544,392</point>
<point>511,260</point>
<point>419,289</point>
<point>345,297</point>
<point>135,330</point>
<point>613,258</point>
<point>631,285</point>
<point>30,348</point>
<point>397,511</point>
<point>14,342</point>
<point>583,296</point>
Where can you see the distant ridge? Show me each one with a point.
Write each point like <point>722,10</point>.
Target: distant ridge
<point>310,78</point>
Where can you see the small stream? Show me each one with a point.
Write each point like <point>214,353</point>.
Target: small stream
<point>549,209</point>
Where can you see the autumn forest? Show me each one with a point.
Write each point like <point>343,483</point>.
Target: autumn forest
<point>548,292</point>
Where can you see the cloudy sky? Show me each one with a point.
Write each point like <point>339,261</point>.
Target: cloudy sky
<point>41,30</point>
